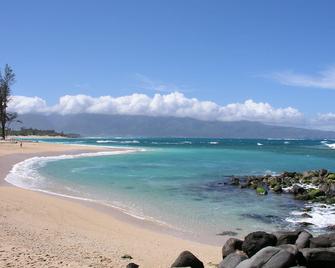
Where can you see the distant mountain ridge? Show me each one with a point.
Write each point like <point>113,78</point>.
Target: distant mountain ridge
<point>147,126</point>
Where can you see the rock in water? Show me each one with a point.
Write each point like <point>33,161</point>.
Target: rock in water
<point>284,237</point>
<point>261,190</point>
<point>303,240</point>
<point>132,265</point>
<point>255,241</point>
<point>230,246</point>
<point>269,257</point>
<point>232,260</point>
<point>323,241</point>
<point>319,257</point>
<point>187,259</point>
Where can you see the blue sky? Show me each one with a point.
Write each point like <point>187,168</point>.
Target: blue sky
<point>221,51</point>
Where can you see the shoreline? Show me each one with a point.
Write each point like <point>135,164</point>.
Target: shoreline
<point>111,214</point>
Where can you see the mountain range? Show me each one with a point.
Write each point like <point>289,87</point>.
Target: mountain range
<point>149,126</point>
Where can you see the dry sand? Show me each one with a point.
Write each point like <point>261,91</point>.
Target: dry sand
<point>39,230</point>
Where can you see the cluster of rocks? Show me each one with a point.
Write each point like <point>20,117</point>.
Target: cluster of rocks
<point>316,186</point>
<point>277,250</point>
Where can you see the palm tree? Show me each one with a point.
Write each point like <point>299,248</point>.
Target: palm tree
<point>7,79</point>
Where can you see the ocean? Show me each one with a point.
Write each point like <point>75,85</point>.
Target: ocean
<point>179,183</point>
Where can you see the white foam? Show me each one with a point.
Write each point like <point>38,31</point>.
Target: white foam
<point>321,216</point>
<point>330,145</point>
<point>25,175</point>
<point>259,144</point>
<point>213,142</point>
<point>118,141</point>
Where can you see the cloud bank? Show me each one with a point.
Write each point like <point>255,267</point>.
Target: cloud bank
<point>173,104</point>
<point>324,79</point>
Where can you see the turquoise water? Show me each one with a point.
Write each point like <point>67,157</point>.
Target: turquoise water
<point>180,182</point>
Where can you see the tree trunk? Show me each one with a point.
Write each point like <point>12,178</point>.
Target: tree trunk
<point>3,130</point>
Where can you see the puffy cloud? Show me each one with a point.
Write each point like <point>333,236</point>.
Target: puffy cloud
<point>172,104</point>
<point>328,117</point>
<point>324,79</point>
<point>22,104</point>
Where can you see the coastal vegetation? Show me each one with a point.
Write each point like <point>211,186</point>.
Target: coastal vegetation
<point>40,132</point>
<point>7,79</point>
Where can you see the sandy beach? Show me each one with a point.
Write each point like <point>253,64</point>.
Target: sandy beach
<point>40,230</point>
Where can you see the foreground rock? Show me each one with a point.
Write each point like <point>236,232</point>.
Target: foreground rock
<point>319,257</point>
<point>231,245</point>
<point>232,260</point>
<point>269,257</point>
<point>132,265</point>
<point>284,237</point>
<point>303,240</point>
<point>323,241</point>
<point>187,259</point>
<point>254,242</point>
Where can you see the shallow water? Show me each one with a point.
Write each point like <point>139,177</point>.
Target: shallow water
<point>181,182</point>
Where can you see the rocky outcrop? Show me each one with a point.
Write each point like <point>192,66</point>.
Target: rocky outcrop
<point>187,259</point>
<point>232,260</point>
<point>285,237</point>
<point>282,249</point>
<point>255,241</point>
<point>316,186</point>
<point>269,257</point>
<point>303,240</point>
<point>319,257</point>
<point>323,241</point>
<point>231,245</point>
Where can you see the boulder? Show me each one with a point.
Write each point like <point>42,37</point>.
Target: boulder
<point>323,172</point>
<point>293,249</point>
<point>319,257</point>
<point>234,181</point>
<point>303,240</point>
<point>255,241</point>
<point>187,259</point>
<point>290,248</point>
<point>232,260</point>
<point>277,189</point>
<point>269,257</point>
<point>284,237</point>
<point>230,246</point>
<point>132,265</point>
<point>261,190</point>
<point>323,241</point>
<point>298,190</point>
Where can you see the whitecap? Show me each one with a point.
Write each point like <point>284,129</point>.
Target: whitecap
<point>259,144</point>
<point>118,141</point>
<point>330,145</point>
<point>321,216</point>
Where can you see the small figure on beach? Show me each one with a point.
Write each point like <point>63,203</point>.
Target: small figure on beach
<point>21,144</point>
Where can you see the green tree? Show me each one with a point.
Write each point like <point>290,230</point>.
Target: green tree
<point>7,79</point>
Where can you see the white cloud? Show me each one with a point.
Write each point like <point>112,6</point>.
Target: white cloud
<point>172,104</point>
<point>328,117</point>
<point>324,79</point>
<point>22,104</point>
